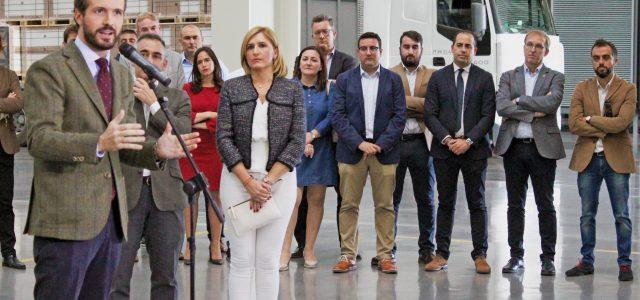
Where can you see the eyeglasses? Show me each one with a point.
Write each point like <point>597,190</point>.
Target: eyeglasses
<point>532,46</point>
<point>322,32</point>
<point>371,48</point>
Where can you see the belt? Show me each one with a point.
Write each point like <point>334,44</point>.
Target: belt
<point>411,137</point>
<point>601,153</point>
<point>146,180</point>
<point>524,141</point>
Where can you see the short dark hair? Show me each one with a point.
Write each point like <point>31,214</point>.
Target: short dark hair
<point>321,81</point>
<point>370,35</point>
<point>82,5</point>
<point>321,18</point>
<point>605,43</point>
<point>73,28</point>
<point>413,35</point>
<point>152,36</point>
<point>129,31</point>
<point>455,37</point>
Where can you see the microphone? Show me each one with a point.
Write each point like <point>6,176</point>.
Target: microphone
<point>152,71</point>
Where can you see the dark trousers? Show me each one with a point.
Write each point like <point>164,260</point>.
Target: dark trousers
<point>300,232</point>
<point>473,173</point>
<point>522,161</point>
<point>163,232</point>
<point>415,158</point>
<point>7,236</point>
<point>77,269</point>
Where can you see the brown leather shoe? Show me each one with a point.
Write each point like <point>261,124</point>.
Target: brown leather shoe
<point>344,265</point>
<point>438,263</point>
<point>482,266</point>
<point>387,266</point>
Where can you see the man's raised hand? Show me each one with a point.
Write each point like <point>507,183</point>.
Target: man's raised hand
<point>121,136</point>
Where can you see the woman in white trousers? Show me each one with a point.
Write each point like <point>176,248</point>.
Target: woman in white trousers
<point>260,137</point>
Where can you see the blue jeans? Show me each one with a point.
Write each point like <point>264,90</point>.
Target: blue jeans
<point>589,182</point>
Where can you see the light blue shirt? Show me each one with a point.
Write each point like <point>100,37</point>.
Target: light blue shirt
<point>524,130</point>
<point>370,96</point>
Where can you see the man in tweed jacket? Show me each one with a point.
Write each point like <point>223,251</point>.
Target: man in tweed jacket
<point>78,209</point>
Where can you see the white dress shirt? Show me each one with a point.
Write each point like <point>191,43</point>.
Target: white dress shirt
<point>370,96</point>
<point>465,78</point>
<point>524,131</point>
<point>149,110</point>
<point>602,96</point>
<point>260,137</point>
<point>411,126</point>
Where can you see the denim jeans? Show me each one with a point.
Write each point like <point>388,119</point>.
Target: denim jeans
<point>589,182</point>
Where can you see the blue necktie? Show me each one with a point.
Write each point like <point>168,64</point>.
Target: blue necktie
<point>460,94</point>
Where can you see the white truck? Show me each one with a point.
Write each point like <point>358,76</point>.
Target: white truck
<point>499,25</point>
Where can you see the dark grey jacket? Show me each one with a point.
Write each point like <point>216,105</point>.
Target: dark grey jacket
<point>286,122</point>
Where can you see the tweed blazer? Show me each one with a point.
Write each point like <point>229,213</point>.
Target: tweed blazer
<point>612,130</point>
<point>9,83</point>
<point>166,184</point>
<point>73,189</point>
<point>286,117</point>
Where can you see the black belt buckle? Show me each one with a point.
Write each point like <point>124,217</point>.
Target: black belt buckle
<point>146,180</point>
<point>410,137</point>
<point>601,153</point>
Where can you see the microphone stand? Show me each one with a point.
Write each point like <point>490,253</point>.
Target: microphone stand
<point>191,187</point>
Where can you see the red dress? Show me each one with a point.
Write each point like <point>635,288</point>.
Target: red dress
<point>206,155</point>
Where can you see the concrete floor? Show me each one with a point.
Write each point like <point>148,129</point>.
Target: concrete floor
<point>459,282</point>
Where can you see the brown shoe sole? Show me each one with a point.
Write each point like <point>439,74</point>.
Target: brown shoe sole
<point>439,269</point>
<point>483,272</point>
<point>395,271</point>
<point>344,270</point>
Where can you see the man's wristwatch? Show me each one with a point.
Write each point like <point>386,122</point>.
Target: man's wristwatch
<point>469,141</point>
<point>588,118</point>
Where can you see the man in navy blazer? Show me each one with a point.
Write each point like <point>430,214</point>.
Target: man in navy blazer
<point>459,110</point>
<point>369,115</point>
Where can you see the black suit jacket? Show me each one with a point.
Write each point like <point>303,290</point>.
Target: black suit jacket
<point>479,111</point>
<point>341,62</point>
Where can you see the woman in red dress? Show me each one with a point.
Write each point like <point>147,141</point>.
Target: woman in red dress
<point>204,92</point>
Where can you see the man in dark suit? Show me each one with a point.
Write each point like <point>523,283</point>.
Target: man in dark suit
<point>530,143</point>
<point>75,102</point>
<point>155,198</point>
<point>323,34</point>
<point>369,114</point>
<point>10,103</point>
<point>459,110</point>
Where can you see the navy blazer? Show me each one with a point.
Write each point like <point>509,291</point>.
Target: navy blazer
<point>440,110</point>
<point>347,116</point>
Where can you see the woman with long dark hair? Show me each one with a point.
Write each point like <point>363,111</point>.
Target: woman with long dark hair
<point>318,168</point>
<point>204,92</point>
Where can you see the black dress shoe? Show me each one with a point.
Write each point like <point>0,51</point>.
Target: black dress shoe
<point>579,270</point>
<point>358,257</point>
<point>514,264</point>
<point>298,253</point>
<point>625,273</point>
<point>548,269</point>
<point>12,261</point>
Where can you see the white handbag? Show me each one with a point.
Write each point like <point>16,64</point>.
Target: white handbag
<point>244,219</point>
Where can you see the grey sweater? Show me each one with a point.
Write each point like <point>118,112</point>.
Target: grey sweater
<point>286,117</point>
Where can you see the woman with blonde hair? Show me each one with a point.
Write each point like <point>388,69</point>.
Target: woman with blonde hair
<point>261,138</point>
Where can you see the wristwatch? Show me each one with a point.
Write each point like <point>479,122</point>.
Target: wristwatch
<point>469,141</point>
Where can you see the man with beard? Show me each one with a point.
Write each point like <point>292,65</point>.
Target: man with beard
<point>459,110</point>
<point>191,40</point>
<point>415,143</point>
<point>529,141</point>
<point>369,114</point>
<point>155,198</point>
<point>602,109</point>
<point>324,35</point>
<point>75,103</point>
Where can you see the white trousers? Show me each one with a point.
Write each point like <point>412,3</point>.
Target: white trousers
<point>255,255</point>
